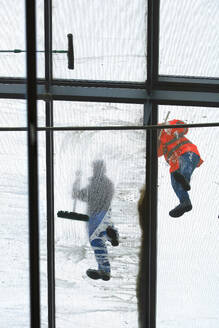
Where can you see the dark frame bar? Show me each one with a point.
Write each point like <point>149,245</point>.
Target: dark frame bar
<point>122,127</point>
<point>147,279</point>
<point>182,83</point>
<point>153,216</point>
<point>149,249</point>
<point>152,43</point>
<point>49,166</point>
<point>30,12</point>
<point>163,96</point>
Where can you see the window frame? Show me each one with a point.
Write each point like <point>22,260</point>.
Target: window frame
<point>157,90</point>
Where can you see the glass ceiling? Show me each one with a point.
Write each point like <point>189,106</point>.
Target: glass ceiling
<point>109,39</point>
<point>110,43</point>
<point>189,35</point>
<point>187,276</point>
<point>12,36</point>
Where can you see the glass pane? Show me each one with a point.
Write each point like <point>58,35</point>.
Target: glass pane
<point>80,300</point>
<point>109,39</point>
<point>40,38</point>
<point>14,220</point>
<point>96,114</point>
<point>14,274</point>
<point>189,37</point>
<point>43,228</point>
<point>14,113</point>
<point>188,244</point>
<point>13,36</point>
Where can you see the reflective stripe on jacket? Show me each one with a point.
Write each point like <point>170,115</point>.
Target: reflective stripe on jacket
<point>173,144</point>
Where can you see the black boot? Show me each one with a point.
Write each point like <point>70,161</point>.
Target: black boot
<point>179,210</point>
<point>182,180</point>
<point>112,236</point>
<point>98,274</point>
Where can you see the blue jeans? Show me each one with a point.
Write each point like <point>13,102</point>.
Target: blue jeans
<point>187,163</point>
<point>97,236</point>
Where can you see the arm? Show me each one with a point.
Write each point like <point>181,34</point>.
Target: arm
<point>80,194</point>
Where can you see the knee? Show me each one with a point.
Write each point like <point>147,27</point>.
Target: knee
<point>97,242</point>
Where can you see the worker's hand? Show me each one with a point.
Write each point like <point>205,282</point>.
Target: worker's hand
<point>75,193</point>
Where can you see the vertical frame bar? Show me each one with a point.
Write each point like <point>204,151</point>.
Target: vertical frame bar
<point>148,275</point>
<point>50,217</point>
<point>48,42</point>
<point>153,225</point>
<point>150,247</point>
<point>153,43</point>
<point>30,12</point>
<point>49,166</point>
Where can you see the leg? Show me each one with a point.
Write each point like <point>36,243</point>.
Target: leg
<point>187,162</point>
<point>98,234</point>
<point>112,235</point>
<point>101,254</point>
<point>183,196</point>
<point>97,241</point>
<point>178,189</point>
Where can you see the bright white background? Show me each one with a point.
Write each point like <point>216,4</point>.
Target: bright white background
<point>188,279</point>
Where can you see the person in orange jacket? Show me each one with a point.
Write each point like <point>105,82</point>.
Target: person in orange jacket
<point>183,157</point>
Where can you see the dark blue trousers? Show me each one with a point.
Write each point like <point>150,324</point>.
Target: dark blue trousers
<point>187,163</point>
<point>97,236</point>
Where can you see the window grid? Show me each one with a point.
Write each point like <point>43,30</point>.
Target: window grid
<point>155,91</point>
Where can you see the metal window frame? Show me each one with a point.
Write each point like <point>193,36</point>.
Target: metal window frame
<point>157,90</point>
<point>49,166</point>
<point>166,91</point>
<point>31,95</point>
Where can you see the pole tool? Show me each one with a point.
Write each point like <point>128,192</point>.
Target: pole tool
<point>69,52</point>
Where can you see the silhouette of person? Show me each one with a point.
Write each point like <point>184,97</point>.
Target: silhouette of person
<point>183,157</point>
<point>98,194</point>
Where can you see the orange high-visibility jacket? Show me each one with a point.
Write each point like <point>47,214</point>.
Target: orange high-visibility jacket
<point>173,144</point>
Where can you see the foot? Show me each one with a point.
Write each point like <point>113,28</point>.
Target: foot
<point>182,180</point>
<point>112,236</point>
<point>98,274</point>
<point>181,209</point>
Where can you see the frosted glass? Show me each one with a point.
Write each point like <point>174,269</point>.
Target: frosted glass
<point>188,245</point>
<point>189,38</point>
<point>14,220</point>
<point>14,274</point>
<point>13,36</point>
<point>96,114</point>
<point>80,300</point>
<point>109,39</point>
<point>13,113</point>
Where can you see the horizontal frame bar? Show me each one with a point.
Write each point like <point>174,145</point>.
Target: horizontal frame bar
<point>167,91</point>
<point>116,95</point>
<point>185,98</point>
<point>79,83</point>
<point>163,82</point>
<point>122,127</point>
<point>187,83</point>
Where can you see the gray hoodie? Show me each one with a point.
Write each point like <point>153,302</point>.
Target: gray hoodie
<point>99,192</point>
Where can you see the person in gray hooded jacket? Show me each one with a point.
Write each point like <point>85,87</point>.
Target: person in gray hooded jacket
<point>98,194</point>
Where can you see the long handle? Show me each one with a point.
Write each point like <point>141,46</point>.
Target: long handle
<point>70,52</point>
<point>76,187</point>
<point>166,118</point>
